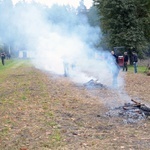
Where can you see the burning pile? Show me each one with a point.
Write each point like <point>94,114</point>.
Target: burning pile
<point>94,84</point>
<point>131,112</point>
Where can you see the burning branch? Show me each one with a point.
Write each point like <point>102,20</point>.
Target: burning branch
<point>137,103</point>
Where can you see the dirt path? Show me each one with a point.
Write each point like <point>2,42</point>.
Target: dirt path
<point>39,111</point>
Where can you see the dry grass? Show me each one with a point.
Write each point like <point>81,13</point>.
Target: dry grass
<point>40,111</point>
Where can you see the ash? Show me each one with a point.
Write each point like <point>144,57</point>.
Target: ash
<point>94,84</point>
<point>129,115</point>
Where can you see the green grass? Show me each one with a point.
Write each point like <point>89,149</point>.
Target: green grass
<point>140,69</point>
<point>25,102</point>
<point>9,63</point>
<point>33,114</point>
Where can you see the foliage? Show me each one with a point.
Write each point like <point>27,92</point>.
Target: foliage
<point>6,8</point>
<point>125,23</point>
<point>93,17</point>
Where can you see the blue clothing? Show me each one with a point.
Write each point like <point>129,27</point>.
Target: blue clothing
<point>135,60</point>
<point>115,71</point>
<point>135,67</point>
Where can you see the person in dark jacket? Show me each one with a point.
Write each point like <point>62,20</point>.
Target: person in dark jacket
<point>3,58</point>
<point>115,57</point>
<point>125,66</point>
<point>135,61</point>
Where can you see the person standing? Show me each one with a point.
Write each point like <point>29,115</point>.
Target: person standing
<point>3,58</point>
<point>115,69</point>
<point>135,61</point>
<point>115,57</point>
<point>125,65</point>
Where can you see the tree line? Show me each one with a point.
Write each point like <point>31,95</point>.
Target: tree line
<point>125,23</point>
<point>19,23</point>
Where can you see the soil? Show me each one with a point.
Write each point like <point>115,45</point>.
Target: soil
<point>43,111</point>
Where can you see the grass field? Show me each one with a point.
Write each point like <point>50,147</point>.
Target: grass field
<point>40,111</point>
<point>22,98</point>
<point>141,69</point>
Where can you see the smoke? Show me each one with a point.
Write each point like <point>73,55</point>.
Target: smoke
<point>59,40</point>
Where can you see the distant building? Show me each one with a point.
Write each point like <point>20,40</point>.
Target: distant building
<point>25,54</point>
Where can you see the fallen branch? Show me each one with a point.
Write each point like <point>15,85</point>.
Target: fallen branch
<point>143,107</point>
<point>137,103</point>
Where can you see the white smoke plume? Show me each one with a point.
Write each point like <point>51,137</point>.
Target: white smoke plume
<point>58,36</point>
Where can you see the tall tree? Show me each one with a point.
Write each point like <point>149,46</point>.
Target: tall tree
<point>6,7</point>
<point>125,23</point>
<point>93,17</point>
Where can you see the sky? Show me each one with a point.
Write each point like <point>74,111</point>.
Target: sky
<point>75,3</point>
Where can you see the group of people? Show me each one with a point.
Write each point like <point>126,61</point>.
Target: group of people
<point>125,65</point>
<point>126,60</point>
